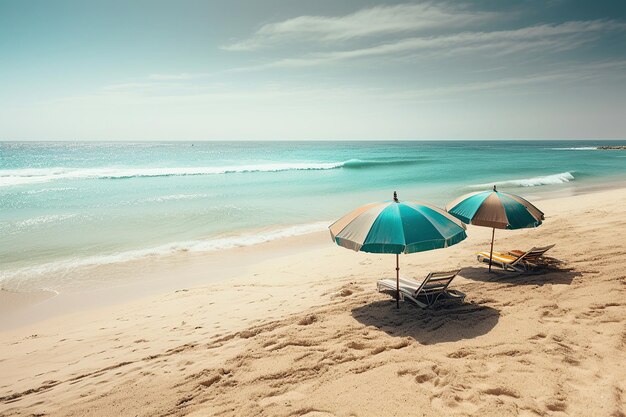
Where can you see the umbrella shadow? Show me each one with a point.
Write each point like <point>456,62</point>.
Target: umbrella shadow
<point>445,324</point>
<point>540,277</point>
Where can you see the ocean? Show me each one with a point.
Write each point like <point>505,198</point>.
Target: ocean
<point>65,205</point>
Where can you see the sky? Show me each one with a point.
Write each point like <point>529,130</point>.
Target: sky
<point>312,70</point>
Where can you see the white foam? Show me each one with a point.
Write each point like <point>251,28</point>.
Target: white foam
<point>223,243</point>
<point>33,223</point>
<point>49,190</point>
<point>12,177</point>
<point>562,178</point>
<point>578,148</point>
<point>176,197</point>
<point>41,220</point>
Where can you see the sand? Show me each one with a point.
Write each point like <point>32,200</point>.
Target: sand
<point>299,330</point>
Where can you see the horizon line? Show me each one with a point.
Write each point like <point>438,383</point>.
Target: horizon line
<point>300,140</point>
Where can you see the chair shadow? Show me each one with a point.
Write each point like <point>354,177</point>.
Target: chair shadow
<point>540,277</point>
<point>430,326</point>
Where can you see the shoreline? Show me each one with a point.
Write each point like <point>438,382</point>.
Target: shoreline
<point>151,277</point>
<point>109,284</point>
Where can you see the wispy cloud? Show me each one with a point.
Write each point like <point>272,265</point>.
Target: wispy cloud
<point>562,36</point>
<point>567,74</point>
<point>144,87</point>
<point>179,77</point>
<point>382,30</point>
<point>379,20</point>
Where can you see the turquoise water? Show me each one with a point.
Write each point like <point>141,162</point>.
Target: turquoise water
<point>70,204</point>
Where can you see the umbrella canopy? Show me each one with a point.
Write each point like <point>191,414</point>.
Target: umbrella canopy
<point>397,227</point>
<point>497,210</point>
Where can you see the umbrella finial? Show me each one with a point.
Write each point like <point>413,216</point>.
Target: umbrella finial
<point>395,196</point>
<point>494,188</point>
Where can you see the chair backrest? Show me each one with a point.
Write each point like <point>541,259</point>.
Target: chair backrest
<point>540,251</point>
<point>534,253</point>
<point>436,282</point>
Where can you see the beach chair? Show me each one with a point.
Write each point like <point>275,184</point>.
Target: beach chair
<point>518,261</point>
<point>536,257</point>
<point>433,289</point>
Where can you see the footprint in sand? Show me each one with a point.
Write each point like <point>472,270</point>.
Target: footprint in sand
<point>356,345</point>
<point>309,412</point>
<point>461,353</point>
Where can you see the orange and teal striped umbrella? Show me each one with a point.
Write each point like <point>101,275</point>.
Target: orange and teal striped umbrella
<point>497,210</point>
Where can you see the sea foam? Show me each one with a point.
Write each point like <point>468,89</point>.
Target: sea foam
<point>577,148</point>
<point>49,190</point>
<point>173,197</point>
<point>562,178</point>
<point>33,222</point>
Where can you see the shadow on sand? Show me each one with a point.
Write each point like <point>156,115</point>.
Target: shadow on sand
<point>430,326</point>
<point>540,277</point>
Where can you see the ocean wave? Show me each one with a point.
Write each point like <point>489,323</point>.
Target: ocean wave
<point>230,242</point>
<point>12,177</point>
<point>577,148</point>
<point>562,178</point>
<point>359,163</point>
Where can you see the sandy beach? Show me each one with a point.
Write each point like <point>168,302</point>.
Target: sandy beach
<point>204,207</point>
<point>296,328</point>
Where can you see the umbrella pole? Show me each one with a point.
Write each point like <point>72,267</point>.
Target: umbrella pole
<point>397,280</point>
<point>493,233</point>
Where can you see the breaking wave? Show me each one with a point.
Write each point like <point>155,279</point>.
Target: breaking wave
<point>562,178</point>
<point>12,177</point>
<point>577,148</point>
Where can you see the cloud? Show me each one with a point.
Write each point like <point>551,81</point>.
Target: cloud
<point>564,36</point>
<point>182,76</point>
<point>484,86</point>
<point>138,86</point>
<point>166,77</point>
<point>568,73</point>
<point>276,93</point>
<point>379,20</point>
<point>322,110</point>
<point>126,86</point>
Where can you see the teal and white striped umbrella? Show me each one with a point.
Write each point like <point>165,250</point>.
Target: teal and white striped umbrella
<point>497,210</point>
<point>397,227</point>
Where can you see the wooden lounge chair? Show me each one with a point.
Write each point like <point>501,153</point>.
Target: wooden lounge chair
<point>433,289</point>
<point>517,260</point>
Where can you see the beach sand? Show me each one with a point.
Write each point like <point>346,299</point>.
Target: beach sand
<point>298,329</point>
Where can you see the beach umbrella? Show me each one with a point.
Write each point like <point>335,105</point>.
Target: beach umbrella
<point>397,227</point>
<point>497,210</point>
